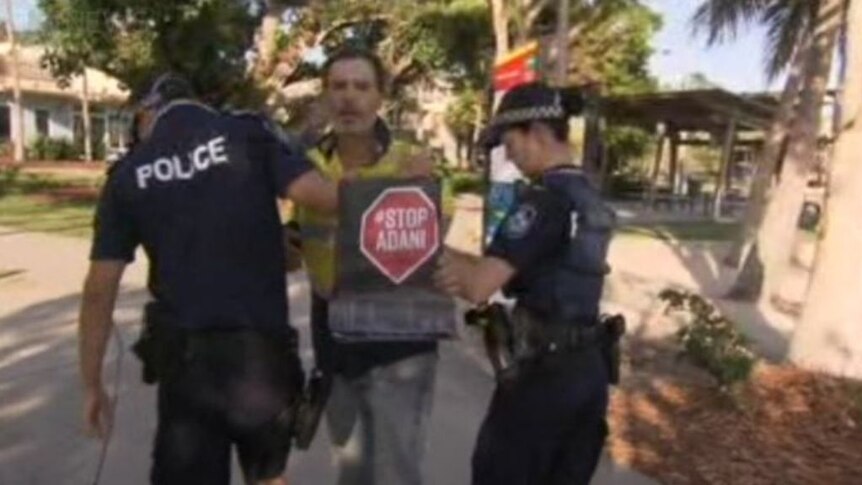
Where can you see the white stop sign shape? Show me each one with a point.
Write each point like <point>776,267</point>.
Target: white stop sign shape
<point>400,231</point>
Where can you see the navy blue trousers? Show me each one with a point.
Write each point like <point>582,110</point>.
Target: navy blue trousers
<point>548,426</point>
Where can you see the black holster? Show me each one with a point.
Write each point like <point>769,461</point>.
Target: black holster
<point>614,329</point>
<point>498,336</point>
<point>309,409</point>
<point>160,346</point>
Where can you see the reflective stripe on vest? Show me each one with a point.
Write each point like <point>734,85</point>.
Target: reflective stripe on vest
<point>318,230</point>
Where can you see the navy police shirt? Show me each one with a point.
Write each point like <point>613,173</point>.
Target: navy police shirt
<point>535,231</point>
<point>200,197</point>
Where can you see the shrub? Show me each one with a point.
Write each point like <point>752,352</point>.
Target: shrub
<point>46,148</point>
<point>710,340</point>
<point>467,182</point>
<point>627,186</point>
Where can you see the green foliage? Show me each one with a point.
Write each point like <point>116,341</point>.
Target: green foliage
<point>206,40</point>
<point>455,183</point>
<point>785,21</point>
<point>611,40</point>
<point>450,39</point>
<point>53,149</point>
<point>467,182</point>
<point>455,39</point>
<point>626,147</point>
<point>461,114</point>
<point>709,339</point>
<point>617,46</point>
<point>626,186</point>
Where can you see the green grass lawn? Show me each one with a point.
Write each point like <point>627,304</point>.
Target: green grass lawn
<point>27,212</point>
<point>26,205</point>
<point>684,231</point>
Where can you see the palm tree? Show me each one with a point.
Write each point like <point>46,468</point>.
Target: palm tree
<point>829,336</point>
<point>778,229</point>
<point>801,32</point>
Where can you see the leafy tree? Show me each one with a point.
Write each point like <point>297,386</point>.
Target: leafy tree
<point>205,40</point>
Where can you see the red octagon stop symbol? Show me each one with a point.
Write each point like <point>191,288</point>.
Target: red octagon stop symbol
<point>400,232</point>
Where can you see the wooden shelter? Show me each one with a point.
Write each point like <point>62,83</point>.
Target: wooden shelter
<point>676,117</point>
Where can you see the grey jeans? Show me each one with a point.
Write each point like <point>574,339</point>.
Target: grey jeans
<point>377,422</point>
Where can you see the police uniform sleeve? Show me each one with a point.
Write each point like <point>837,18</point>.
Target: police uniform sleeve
<point>536,228</point>
<point>115,236</point>
<point>285,157</point>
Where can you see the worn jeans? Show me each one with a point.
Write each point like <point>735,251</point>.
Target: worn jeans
<point>378,421</point>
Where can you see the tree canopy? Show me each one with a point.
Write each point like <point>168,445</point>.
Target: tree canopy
<point>205,40</point>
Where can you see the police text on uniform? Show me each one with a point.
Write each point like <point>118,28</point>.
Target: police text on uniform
<point>200,159</point>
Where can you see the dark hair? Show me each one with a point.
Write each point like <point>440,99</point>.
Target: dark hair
<point>354,52</point>
<point>161,90</point>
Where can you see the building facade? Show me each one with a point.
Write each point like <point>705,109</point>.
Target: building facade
<point>56,112</point>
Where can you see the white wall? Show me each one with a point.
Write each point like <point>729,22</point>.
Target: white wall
<point>61,116</point>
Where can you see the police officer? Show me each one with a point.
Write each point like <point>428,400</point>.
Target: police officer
<point>198,191</point>
<point>546,422</point>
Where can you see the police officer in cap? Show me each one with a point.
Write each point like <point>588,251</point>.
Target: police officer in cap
<point>198,191</point>
<point>546,422</point>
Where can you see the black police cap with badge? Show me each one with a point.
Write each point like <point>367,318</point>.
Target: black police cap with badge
<point>531,102</point>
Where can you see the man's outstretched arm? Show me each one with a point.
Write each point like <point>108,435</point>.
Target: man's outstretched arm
<point>94,328</point>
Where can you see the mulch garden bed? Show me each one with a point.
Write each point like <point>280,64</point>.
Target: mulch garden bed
<point>784,426</point>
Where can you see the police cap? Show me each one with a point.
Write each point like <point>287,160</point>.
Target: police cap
<point>530,102</point>
<point>165,88</point>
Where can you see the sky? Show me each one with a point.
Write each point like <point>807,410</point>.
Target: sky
<point>25,14</point>
<point>737,65</point>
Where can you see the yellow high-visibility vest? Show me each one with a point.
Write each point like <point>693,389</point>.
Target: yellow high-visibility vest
<point>318,230</point>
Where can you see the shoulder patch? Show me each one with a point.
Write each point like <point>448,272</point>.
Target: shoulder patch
<point>520,222</point>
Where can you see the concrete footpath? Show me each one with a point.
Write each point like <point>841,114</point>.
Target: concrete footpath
<point>40,398</point>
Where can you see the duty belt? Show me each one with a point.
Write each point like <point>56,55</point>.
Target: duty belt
<point>512,341</point>
<point>534,336</point>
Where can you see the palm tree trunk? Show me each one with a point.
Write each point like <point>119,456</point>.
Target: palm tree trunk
<point>829,336</point>
<point>766,166</point>
<point>779,225</point>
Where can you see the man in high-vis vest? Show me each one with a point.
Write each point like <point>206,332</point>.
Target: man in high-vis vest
<point>382,390</point>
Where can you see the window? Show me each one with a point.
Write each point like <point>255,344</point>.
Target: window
<point>42,116</point>
<point>5,125</point>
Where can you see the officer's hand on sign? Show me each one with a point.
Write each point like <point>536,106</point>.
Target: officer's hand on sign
<point>470,277</point>
<point>98,413</point>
